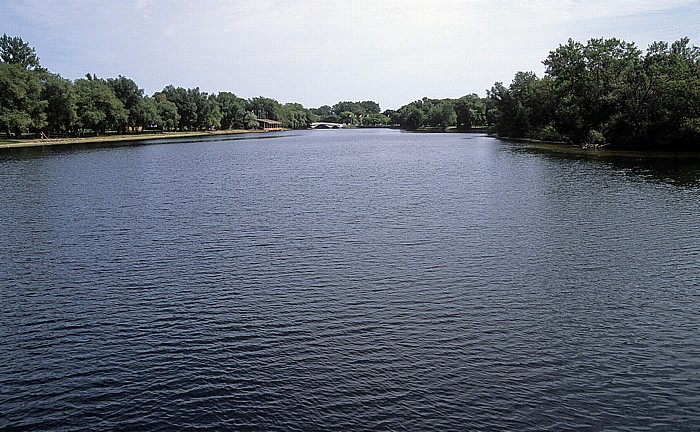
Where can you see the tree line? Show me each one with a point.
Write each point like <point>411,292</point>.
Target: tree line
<point>467,112</point>
<point>604,92</point>
<point>34,100</point>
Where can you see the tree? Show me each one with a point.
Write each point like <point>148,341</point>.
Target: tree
<point>61,103</point>
<point>232,110</point>
<point>347,117</point>
<point>325,114</point>
<point>264,108</point>
<point>351,107</point>
<point>670,95</point>
<point>207,112</point>
<point>131,97</point>
<point>295,116</point>
<point>375,120</point>
<point>470,112</point>
<point>14,50</point>
<point>393,116</point>
<point>370,107</point>
<point>412,117</point>
<point>589,82</point>
<point>250,121</point>
<point>167,111</point>
<point>98,107</point>
<point>146,113</point>
<point>606,92</point>
<point>510,116</point>
<point>442,114</point>
<point>21,105</point>
<point>186,106</point>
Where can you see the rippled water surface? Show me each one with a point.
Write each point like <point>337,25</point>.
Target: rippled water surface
<point>347,280</point>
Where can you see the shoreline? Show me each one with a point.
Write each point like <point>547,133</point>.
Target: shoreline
<point>111,139</point>
<point>566,148</point>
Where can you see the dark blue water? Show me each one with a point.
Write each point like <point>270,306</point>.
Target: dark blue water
<point>348,280</point>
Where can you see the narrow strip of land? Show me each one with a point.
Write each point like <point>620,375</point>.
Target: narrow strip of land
<point>105,139</point>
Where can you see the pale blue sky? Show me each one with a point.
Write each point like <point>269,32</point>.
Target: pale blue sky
<point>319,52</point>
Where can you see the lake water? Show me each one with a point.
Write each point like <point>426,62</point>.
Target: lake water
<point>348,280</point>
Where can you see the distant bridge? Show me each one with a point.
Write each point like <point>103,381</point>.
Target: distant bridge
<point>326,125</point>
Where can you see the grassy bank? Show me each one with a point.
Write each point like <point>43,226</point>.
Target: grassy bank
<point>106,139</point>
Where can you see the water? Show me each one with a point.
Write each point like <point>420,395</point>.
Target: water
<point>348,280</point>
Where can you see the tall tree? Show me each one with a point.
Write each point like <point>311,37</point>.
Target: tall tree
<point>61,101</point>
<point>14,50</point>
<point>99,109</point>
<point>264,107</point>
<point>130,96</point>
<point>412,117</point>
<point>186,106</point>
<point>21,106</point>
<point>295,116</point>
<point>146,113</point>
<point>589,81</point>
<point>167,111</point>
<point>370,107</point>
<point>442,114</point>
<point>232,110</point>
<point>470,111</point>
<point>354,107</point>
<point>208,111</point>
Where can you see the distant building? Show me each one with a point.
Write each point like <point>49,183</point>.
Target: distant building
<point>271,125</point>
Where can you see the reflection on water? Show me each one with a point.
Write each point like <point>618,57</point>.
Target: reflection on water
<point>682,169</point>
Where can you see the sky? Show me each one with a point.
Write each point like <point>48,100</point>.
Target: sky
<point>320,52</point>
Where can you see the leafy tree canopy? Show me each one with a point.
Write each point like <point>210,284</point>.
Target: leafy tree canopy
<point>14,50</point>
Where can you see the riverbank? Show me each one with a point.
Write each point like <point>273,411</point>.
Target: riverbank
<point>566,148</point>
<point>109,139</point>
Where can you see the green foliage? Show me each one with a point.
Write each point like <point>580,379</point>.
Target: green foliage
<point>194,108</point>
<point>208,115</point>
<point>233,113</point>
<point>370,107</point>
<point>98,107</point>
<point>146,113</point>
<point>606,92</point>
<point>61,103</point>
<point>393,116</point>
<point>348,117</point>
<point>250,121</point>
<point>325,114</point>
<point>465,113</point>
<point>442,114</point>
<point>375,120</point>
<point>356,108</point>
<point>131,97</point>
<point>21,105</point>
<point>295,116</point>
<point>470,111</point>
<point>363,113</point>
<point>412,117</point>
<point>264,108</point>
<point>14,50</point>
<point>167,112</point>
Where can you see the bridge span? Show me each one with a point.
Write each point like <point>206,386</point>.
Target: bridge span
<point>326,125</point>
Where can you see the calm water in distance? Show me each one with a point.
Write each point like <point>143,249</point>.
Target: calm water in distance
<point>347,280</point>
